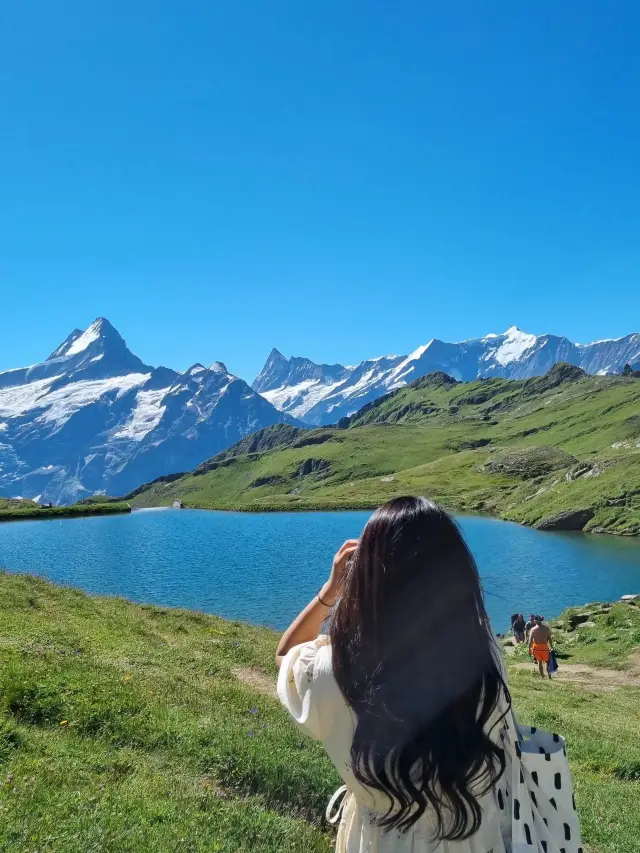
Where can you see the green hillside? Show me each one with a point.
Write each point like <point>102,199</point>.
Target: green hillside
<point>525,450</point>
<point>129,728</point>
<point>17,509</point>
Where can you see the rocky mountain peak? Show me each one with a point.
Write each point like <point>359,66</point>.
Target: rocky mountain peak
<point>95,418</point>
<point>99,337</point>
<point>275,356</point>
<point>98,352</point>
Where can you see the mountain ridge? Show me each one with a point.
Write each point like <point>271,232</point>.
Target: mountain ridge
<point>321,394</point>
<point>93,418</point>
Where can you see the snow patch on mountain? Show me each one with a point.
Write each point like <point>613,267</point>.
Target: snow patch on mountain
<point>18,399</point>
<point>145,417</point>
<point>298,399</point>
<point>64,346</point>
<point>397,374</point>
<point>64,402</point>
<point>514,345</point>
<point>81,343</point>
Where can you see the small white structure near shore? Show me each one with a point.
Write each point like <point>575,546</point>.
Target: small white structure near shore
<point>177,504</point>
<point>629,597</point>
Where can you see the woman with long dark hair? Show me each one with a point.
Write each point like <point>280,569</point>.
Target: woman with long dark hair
<point>407,692</point>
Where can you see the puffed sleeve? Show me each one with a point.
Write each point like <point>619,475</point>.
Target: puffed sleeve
<point>496,721</point>
<point>299,687</point>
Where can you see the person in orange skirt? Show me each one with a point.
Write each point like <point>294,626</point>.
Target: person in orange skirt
<point>540,644</point>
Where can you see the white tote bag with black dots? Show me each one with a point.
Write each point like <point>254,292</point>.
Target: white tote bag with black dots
<point>536,791</point>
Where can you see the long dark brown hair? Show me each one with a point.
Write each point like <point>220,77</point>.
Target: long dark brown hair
<point>414,657</point>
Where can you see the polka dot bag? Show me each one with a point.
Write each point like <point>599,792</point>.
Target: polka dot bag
<point>536,792</point>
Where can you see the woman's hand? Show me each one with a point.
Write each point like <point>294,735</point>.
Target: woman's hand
<point>333,586</point>
<point>306,626</point>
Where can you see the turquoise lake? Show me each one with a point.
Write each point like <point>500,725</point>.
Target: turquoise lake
<point>264,568</point>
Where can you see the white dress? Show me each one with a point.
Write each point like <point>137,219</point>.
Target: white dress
<point>308,690</point>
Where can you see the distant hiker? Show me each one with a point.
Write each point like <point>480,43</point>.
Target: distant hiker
<point>518,627</point>
<point>540,645</point>
<point>531,624</point>
<point>409,669</point>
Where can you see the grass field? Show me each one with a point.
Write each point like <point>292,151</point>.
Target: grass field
<point>12,510</point>
<point>128,728</point>
<point>524,450</point>
<point>610,637</point>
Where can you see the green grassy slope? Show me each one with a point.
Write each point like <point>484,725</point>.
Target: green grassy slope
<point>123,728</point>
<point>524,450</point>
<point>128,728</point>
<point>16,510</point>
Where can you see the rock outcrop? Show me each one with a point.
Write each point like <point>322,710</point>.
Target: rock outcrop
<point>313,466</point>
<point>530,462</point>
<point>573,519</point>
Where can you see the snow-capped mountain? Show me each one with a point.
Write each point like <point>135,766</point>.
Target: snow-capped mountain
<point>94,418</point>
<point>322,393</point>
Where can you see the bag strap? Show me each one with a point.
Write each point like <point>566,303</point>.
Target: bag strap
<point>334,818</point>
<point>513,729</point>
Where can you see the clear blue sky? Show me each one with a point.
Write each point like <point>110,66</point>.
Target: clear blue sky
<point>339,179</point>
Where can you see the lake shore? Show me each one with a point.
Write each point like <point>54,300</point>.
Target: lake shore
<point>277,505</point>
<point>280,506</point>
<point>102,746</point>
<point>38,513</point>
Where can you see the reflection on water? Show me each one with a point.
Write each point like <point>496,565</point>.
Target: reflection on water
<point>264,568</point>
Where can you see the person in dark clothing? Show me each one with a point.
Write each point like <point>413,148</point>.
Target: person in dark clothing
<point>518,626</point>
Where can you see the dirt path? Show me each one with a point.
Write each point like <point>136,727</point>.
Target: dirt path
<point>595,677</point>
<point>592,677</point>
<point>256,679</point>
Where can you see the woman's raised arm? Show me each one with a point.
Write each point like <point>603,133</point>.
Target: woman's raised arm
<point>306,626</point>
